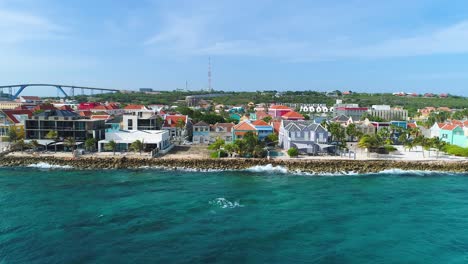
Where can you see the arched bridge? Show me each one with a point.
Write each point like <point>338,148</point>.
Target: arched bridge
<point>15,90</point>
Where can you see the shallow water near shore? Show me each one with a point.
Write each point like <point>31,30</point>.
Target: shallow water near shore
<point>254,216</point>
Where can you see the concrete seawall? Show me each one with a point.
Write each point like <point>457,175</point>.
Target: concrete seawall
<point>311,166</point>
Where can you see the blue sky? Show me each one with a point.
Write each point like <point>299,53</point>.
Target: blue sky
<point>367,46</point>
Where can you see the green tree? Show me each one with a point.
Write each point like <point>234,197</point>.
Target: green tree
<point>20,144</point>
<point>259,151</point>
<point>12,134</point>
<point>70,143</point>
<point>267,119</point>
<point>352,131</point>
<point>271,139</point>
<point>137,145</point>
<point>438,144</point>
<point>251,141</point>
<point>212,119</point>
<point>231,148</point>
<point>368,142</point>
<point>293,152</point>
<point>90,144</point>
<point>52,135</point>
<point>111,145</point>
<point>218,144</point>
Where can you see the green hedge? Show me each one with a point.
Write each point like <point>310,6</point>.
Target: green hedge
<point>456,150</point>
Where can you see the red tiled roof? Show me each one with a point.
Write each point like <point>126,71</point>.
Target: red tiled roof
<point>449,127</point>
<point>260,123</point>
<point>66,107</point>
<point>11,114</point>
<point>261,114</point>
<point>134,107</point>
<point>276,126</point>
<point>457,122</point>
<point>244,126</point>
<point>104,117</point>
<point>44,107</point>
<point>171,120</point>
<point>441,125</point>
<point>279,107</point>
<point>292,115</point>
<point>100,107</point>
<point>412,125</point>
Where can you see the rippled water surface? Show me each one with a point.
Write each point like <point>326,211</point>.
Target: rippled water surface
<point>157,216</point>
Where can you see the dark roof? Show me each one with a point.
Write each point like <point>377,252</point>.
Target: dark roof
<point>201,123</point>
<point>340,118</point>
<point>301,125</point>
<point>58,113</point>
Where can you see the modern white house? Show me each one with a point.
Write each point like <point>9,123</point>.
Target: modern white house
<point>151,139</point>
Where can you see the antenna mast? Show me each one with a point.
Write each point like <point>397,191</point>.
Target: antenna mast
<point>209,75</point>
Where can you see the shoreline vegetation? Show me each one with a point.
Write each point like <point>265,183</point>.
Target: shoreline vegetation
<point>203,164</point>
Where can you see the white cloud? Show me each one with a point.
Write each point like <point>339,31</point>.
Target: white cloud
<point>191,36</point>
<point>20,26</point>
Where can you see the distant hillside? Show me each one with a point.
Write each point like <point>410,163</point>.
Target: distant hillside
<point>234,98</point>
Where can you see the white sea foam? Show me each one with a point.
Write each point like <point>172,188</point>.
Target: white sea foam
<point>417,172</point>
<point>268,168</point>
<point>225,203</point>
<point>44,165</point>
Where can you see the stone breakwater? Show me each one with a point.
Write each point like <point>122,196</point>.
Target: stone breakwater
<point>308,166</point>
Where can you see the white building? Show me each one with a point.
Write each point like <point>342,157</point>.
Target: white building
<point>151,139</point>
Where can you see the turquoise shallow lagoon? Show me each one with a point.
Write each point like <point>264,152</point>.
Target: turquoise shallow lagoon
<point>157,216</point>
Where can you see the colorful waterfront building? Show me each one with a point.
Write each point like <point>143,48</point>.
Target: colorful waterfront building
<point>201,133</point>
<point>276,111</point>
<point>239,130</point>
<point>453,134</point>
<point>263,129</point>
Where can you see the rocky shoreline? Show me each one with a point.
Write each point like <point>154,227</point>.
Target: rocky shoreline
<point>308,166</point>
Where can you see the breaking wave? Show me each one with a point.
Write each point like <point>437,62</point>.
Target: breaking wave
<point>225,203</point>
<point>44,165</point>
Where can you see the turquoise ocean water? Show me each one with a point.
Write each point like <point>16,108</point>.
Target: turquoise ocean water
<point>157,216</point>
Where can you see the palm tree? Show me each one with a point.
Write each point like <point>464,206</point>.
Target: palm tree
<point>20,144</point>
<point>438,144</point>
<point>409,145</point>
<point>52,135</point>
<point>90,144</point>
<point>35,144</point>
<point>369,141</point>
<point>111,145</point>
<point>137,145</point>
<point>70,143</point>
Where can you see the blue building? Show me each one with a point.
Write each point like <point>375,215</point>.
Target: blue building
<point>201,133</point>
<point>263,129</point>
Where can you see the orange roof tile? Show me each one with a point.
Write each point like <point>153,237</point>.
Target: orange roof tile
<point>244,126</point>
<point>134,107</point>
<point>260,123</point>
<point>449,127</point>
<point>292,115</point>
<point>279,107</point>
<point>171,120</point>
